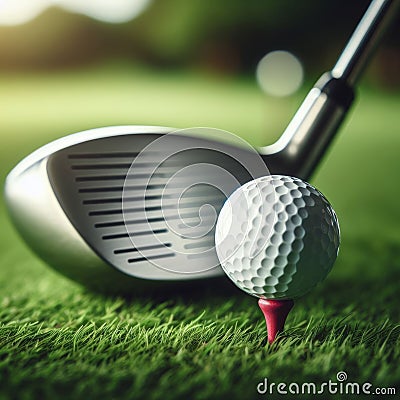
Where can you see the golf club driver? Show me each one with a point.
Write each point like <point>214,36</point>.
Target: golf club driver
<point>130,208</point>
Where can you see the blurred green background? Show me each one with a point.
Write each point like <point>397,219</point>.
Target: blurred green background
<point>193,63</point>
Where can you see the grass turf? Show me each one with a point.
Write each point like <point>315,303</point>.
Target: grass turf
<point>59,341</point>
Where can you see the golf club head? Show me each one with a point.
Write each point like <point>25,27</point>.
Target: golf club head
<point>127,207</point>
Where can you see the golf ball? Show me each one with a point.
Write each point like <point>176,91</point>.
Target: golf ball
<point>277,237</point>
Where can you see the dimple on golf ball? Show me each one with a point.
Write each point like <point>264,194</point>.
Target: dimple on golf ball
<point>277,237</point>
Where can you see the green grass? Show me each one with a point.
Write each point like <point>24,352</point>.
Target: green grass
<point>58,340</point>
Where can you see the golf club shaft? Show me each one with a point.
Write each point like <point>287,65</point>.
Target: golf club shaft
<point>305,140</point>
<point>365,38</point>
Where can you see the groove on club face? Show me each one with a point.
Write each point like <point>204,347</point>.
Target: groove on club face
<point>134,249</point>
<point>138,211</point>
<point>138,233</point>
<point>118,155</point>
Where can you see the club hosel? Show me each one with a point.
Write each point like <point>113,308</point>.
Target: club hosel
<point>305,140</point>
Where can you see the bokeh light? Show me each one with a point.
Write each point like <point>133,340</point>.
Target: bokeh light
<point>279,73</point>
<point>117,11</point>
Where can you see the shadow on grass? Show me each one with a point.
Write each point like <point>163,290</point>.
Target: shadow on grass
<point>203,293</point>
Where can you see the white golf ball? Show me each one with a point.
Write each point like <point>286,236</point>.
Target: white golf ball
<point>277,237</point>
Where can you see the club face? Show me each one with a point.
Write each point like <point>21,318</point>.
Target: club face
<point>146,203</point>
